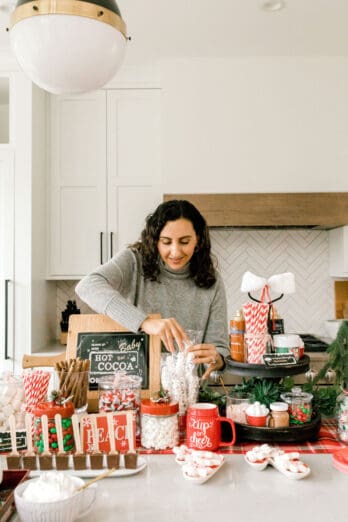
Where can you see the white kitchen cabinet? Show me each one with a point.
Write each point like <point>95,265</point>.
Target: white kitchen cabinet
<point>25,320</point>
<point>338,251</point>
<point>6,257</point>
<point>104,175</point>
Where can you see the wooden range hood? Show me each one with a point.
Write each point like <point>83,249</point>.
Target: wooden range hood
<point>322,210</point>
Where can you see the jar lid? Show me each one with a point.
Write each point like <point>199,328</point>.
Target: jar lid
<point>287,341</point>
<point>278,406</point>
<point>158,408</point>
<point>51,409</point>
<point>296,395</point>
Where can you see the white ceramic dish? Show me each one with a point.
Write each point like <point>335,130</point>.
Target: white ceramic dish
<point>202,480</point>
<point>259,466</point>
<point>91,473</point>
<point>196,454</point>
<point>293,475</point>
<point>280,460</point>
<point>66,510</point>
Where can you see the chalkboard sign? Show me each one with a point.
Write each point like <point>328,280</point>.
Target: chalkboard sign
<point>110,346</point>
<point>114,351</point>
<point>279,360</point>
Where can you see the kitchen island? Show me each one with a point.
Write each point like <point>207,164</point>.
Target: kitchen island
<point>159,493</point>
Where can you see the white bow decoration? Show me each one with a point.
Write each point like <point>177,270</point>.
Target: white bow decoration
<point>279,283</point>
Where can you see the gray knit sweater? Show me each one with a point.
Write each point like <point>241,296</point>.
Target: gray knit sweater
<point>119,290</point>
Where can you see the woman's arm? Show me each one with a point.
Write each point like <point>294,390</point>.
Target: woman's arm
<point>216,338</point>
<point>111,290</point>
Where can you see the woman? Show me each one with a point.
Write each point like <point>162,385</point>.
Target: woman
<point>170,272</point>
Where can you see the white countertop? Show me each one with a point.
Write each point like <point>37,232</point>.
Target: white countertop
<point>159,493</point>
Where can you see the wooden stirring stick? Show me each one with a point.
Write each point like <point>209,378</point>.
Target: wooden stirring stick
<point>76,430</point>
<point>28,430</point>
<point>113,457</point>
<point>29,457</point>
<point>130,431</point>
<point>96,458</point>
<point>13,459</point>
<point>79,458</point>
<point>45,457</point>
<point>62,458</point>
<point>13,434</point>
<point>99,477</point>
<point>131,457</point>
<point>58,421</point>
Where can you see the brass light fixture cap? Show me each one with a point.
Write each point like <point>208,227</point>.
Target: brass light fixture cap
<point>105,11</point>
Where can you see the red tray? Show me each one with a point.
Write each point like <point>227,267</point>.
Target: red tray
<point>11,479</point>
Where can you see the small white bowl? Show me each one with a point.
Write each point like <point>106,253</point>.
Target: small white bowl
<point>66,510</point>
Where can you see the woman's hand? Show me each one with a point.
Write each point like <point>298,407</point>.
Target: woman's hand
<point>207,354</point>
<point>169,330</point>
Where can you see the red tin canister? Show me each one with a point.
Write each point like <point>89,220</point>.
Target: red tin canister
<point>203,427</point>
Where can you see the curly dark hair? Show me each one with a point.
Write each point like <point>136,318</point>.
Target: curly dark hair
<point>201,263</point>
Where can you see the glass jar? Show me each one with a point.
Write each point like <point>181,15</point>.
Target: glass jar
<point>51,409</point>
<point>11,401</point>
<point>159,424</point>
<point>236,404</point>
<point>279,415</point>
<point>300,405</point>
<point>120,391</point>
<point>342,415</point>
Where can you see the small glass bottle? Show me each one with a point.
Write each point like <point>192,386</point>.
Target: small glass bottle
<point>342,415</point>
<point>237,331</point>
<point>279,415</point>
<point>159,424</point>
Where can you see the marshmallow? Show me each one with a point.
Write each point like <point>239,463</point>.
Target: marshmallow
<point>257,410</point>
<point>50,487</point>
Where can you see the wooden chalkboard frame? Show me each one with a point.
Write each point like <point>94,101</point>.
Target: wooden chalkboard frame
<point>86,323</point>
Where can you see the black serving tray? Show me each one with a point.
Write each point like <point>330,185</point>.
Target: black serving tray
<point>294,433</point>
<point>261,370</point>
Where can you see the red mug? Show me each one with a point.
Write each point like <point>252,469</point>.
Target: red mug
<point>203,427</point>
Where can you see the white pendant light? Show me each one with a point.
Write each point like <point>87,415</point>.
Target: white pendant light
<point>68,46</point>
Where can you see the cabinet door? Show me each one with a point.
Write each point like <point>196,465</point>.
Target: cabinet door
<point>338,251</point>
<point>78,209</point>
<point>134,165</point>
<point>6,259</point>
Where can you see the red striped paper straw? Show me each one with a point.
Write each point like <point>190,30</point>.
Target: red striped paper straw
<point>35,387</point>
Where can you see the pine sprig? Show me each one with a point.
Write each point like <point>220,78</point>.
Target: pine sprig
<point>338,358</point>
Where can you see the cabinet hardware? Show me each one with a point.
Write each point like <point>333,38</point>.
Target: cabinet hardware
<point>111,244</point>
<point>101,248</point>
<point>7,282</point>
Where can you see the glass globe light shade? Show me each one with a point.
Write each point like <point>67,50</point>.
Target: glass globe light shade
<point>67,53</point>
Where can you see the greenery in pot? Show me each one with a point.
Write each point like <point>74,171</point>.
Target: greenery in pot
<point>324,397</point>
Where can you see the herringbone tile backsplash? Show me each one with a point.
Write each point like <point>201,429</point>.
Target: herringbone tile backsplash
<point>265,252</point>
<point>303,252</point>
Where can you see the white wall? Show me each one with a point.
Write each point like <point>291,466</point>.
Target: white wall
<point>256,124</point>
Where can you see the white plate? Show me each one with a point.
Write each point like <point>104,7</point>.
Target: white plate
<point>91,473</point>
<point>201,480</point>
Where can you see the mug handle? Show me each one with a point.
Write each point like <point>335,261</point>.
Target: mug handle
<point>231,423</point>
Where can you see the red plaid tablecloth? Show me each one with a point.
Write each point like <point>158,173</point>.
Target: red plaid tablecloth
<point>327,442</point>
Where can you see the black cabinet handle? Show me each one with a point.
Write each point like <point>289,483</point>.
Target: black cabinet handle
<point>7,282</point>
<point>101,248</point>
<point>111,244</point>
